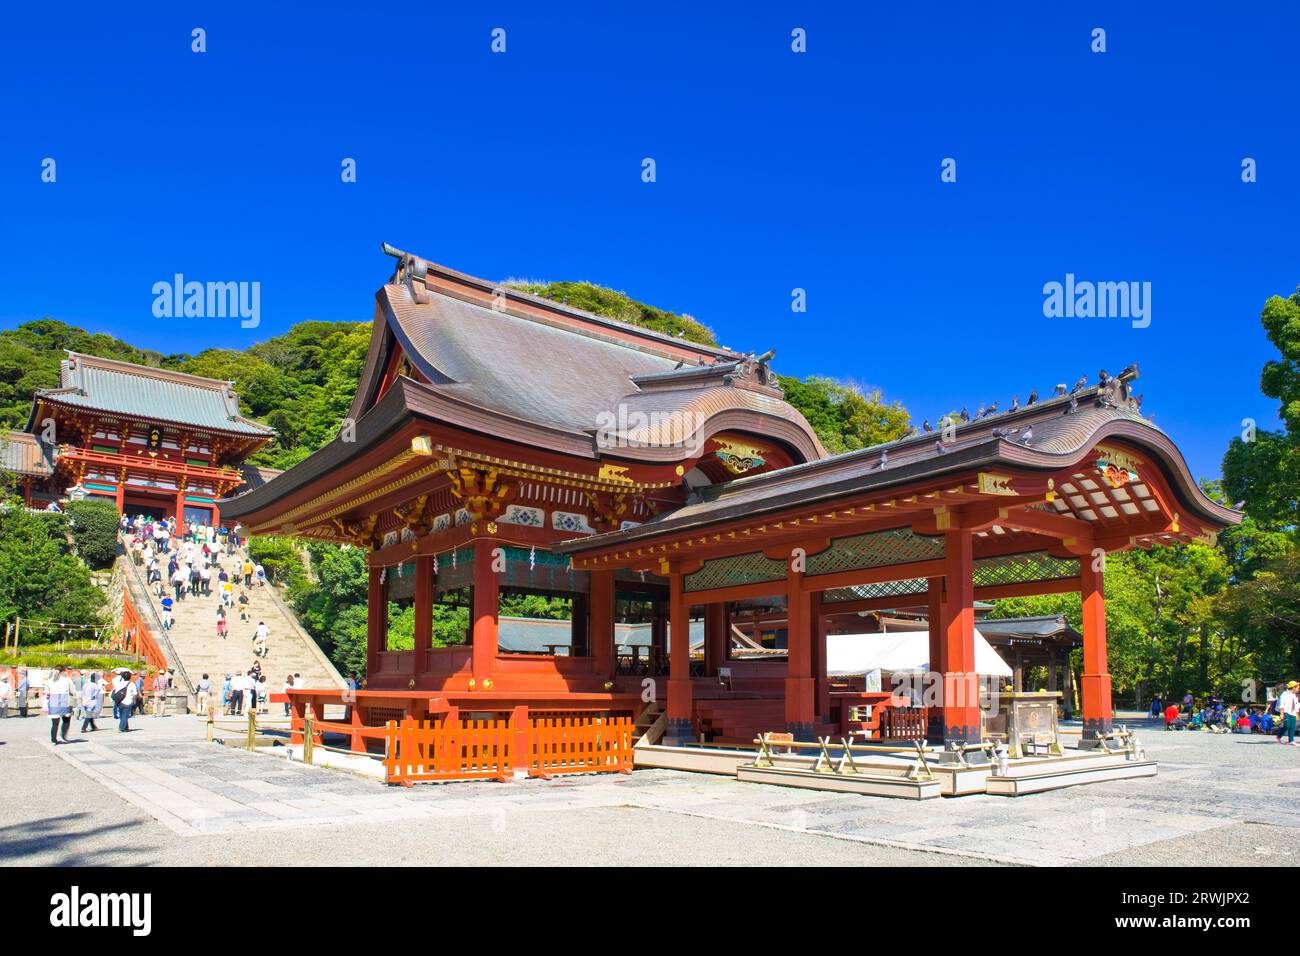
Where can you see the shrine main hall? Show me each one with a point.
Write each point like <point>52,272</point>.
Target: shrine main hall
<point>504,444</point>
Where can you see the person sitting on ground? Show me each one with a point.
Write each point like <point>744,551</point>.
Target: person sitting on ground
<point>1171,717</point>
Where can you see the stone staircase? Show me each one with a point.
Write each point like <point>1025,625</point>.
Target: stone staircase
<point>193,635</point>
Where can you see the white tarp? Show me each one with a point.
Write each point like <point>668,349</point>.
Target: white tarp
<point>851,655</point>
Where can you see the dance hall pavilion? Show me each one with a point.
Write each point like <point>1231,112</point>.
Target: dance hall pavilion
<point>501,443</point>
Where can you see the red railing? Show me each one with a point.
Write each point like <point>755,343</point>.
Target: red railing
<point>114,461</point>
<point>494,749</point>
<point>136,637</point>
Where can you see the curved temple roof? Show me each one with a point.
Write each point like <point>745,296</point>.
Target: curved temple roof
<point>1045,437</point>
<point>154,394</point>
<point>644,393</point>
<point>518,368</point>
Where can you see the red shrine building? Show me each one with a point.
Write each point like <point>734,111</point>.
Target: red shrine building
<point>501,443</point>
<point>153,441</point>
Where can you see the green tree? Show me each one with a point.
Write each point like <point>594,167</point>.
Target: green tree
<point>618,305</point>
<point>93,524</point>
<point>845,416</point>
<point>39,578</point>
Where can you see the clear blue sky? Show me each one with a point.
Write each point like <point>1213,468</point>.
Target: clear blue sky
<point>775,171</point>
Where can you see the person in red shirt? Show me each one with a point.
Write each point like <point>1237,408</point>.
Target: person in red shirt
<point>1171,715</point>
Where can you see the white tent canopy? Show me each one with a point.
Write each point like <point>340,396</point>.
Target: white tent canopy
<point>853,655</point>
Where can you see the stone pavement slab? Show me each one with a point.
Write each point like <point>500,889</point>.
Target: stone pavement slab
<point>1246,787</point>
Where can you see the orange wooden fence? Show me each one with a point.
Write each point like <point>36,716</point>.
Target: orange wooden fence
<point>494,749</point>
<point>136,637</point>
<point>580,745</point>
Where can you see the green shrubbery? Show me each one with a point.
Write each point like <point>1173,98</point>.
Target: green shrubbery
<point>93,524</point>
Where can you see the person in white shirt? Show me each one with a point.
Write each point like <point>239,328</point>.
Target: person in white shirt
<point>58,704</point>
<point>262,639</point>
<point>125,686</point>
<point>6,695</point>
<point>1288,705</point>
<point>237,685</point>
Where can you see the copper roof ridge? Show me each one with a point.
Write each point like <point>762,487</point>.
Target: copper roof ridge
<point>563,308</point>
<point>150,371</point>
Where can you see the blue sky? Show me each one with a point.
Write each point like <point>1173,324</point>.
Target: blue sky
<point>775,171</point>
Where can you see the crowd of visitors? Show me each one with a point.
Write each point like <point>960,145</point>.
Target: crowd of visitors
<point>197,561</point>
<point>1277,717</point>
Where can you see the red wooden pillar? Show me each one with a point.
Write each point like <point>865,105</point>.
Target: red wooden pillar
<point>715,637</point>
<point>600,628</point>
<point>180,512</point>
<point>376,620</point>
<point>961,712</point>
<point>938,654</point>
<point>1095,679</point>
<point>800,690</point>
<point>817,635</point>
<point>119,497</point>
<point>487,605</point>
<point>680,702</point>
<point>423,615</point>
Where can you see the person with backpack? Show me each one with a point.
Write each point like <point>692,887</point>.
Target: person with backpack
<point>125,696</point>
<point>58,704</point>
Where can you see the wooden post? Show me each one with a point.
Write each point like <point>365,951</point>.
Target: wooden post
<point>800,690</point>
<point>600,622</point>
<point>308,732</point>
<point>961,713</point>
<point>817,635</point>
<point>376,620</point>
<point>938,654</point>
<point>680,703</point>
<point>486,606</point>
<point>423,614</point>
<point>715,637</point>
<point>1095,679</point>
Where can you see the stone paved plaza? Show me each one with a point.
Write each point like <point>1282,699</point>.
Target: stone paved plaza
<point>164,795</point>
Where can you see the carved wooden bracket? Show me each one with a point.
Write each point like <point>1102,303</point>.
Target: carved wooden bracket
<point>605,512</point>
<point>481,491</point>
<point>359,533</point>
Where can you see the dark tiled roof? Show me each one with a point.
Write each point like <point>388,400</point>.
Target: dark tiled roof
<point>255,476</point>
<point>577,378</point>
<point>524,635</point>
<point>151,394</point>
<point>1040,627</point>
<point>22,453</point>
